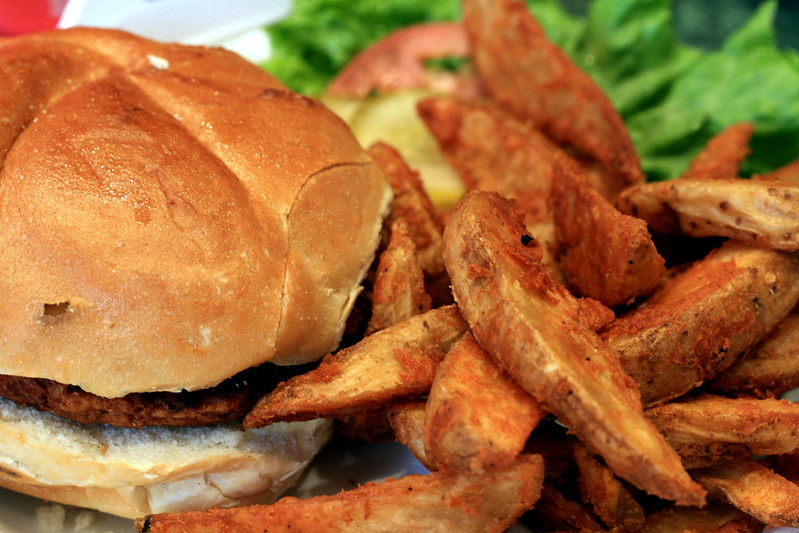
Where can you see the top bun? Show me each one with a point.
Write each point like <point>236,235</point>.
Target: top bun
<point>170,215</point>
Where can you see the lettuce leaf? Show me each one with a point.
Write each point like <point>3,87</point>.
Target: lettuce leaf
<point>672,96</point>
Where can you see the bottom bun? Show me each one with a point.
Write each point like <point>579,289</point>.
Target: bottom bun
<point>136,472</point>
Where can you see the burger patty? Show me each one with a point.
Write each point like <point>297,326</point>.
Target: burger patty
<point>228,401</point>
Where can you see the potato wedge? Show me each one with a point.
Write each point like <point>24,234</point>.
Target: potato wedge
<point>398,291</point>
<point>610,500</point>
<point>456,503</point>
<point>477,417</point>
<point>412,203</point>
<point>760,212</point>
<point>556,512</point>
<point>527,74</point>
<point>702,319</point>
<point>769,369</point>
<point>493,151</point>
<point>396,362</point>
<point>722,156</point>
<point>528,323</point>
<point>755,490</point>
<point>407,420</point>
<point>715,517</point>
<point>788,173</point>
<point>604,254</point>
<point>711,430</point>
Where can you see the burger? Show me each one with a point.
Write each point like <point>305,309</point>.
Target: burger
<point>178,233</point>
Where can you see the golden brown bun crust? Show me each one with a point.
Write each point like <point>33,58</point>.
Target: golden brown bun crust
<point>135,472</point>
<point>170,215</point>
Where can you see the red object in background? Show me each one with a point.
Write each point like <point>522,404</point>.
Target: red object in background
<point>25,16</point>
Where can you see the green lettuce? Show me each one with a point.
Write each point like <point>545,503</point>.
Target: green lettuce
<point>672,96</point>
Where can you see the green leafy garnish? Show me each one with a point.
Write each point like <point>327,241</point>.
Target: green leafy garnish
<point>672,96</point>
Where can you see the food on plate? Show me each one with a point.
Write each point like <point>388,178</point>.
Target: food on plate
<point>477,418</point>
<point>412,203</point>
<point>757,211</point>
<point>477,502</point>
<point>173,216</point>
<point>393,363</point>
<point>555,512</point>
<point>770,368</point>
<point>406,418</point>
<point>399,290</point>
<point>702,320</point>
<point>711,429</point>
<point>528,74</point>
<point>610,500</point>
<point>604,254</point>
<point>521,315</point>
<point>722,156</point>
<point>715,517</point>
<point>755,489</point>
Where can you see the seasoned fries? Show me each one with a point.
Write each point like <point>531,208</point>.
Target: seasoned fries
<point>721,158</point>
<point>754,489</point>
<point>527,74</point>
<point>611,502</point>
<point>711,430</point>
<point>477,418</point>
<point>522,317</point>
<point>457,503</point>
<point>702,320</point>
<point>604,254</point>
<point>407,420</point>
<point>769,369</point>
<point>396,362</point>
<point>412,204</point>
<point>399,291</point>
<point>760,212</point>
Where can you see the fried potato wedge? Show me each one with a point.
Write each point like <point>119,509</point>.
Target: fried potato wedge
<point>787,173</point>
<point>528,323</point>
<point>703,318</point>
<point>711,430</point>
<point>493,151</point>
<point>604,254</point>
<point>610,500</point>
<point>399,291</point>
<point>713,518</point>
<point>531,77</point>
<point>456,503</point>
<point>722,156</point>
<point>760,212</point>
<point>412,203</point>
<point>477,417</point>
<point>770,369</point>
<point>755,490</point>
<point>407,420</point>
<point>396,362</point>
<point>556,512</point>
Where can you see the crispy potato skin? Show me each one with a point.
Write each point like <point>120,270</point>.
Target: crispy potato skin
<point>605,254</point>
<point>703,318</point>
<point>527,74</point>
<point>722,156</point>
<point>710,430</point>
<point>411,203</point>
<point>396,362</point>
<point>611,502</point>
<point>758,212</point>
<point>477,417</point>
<point>478,503</point>
<point>769,369</point>
<point>754,489</point>
<point>528,323</point>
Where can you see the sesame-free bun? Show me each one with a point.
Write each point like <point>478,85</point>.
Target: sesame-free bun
<point>136,472</point>
<point>170,215</point>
